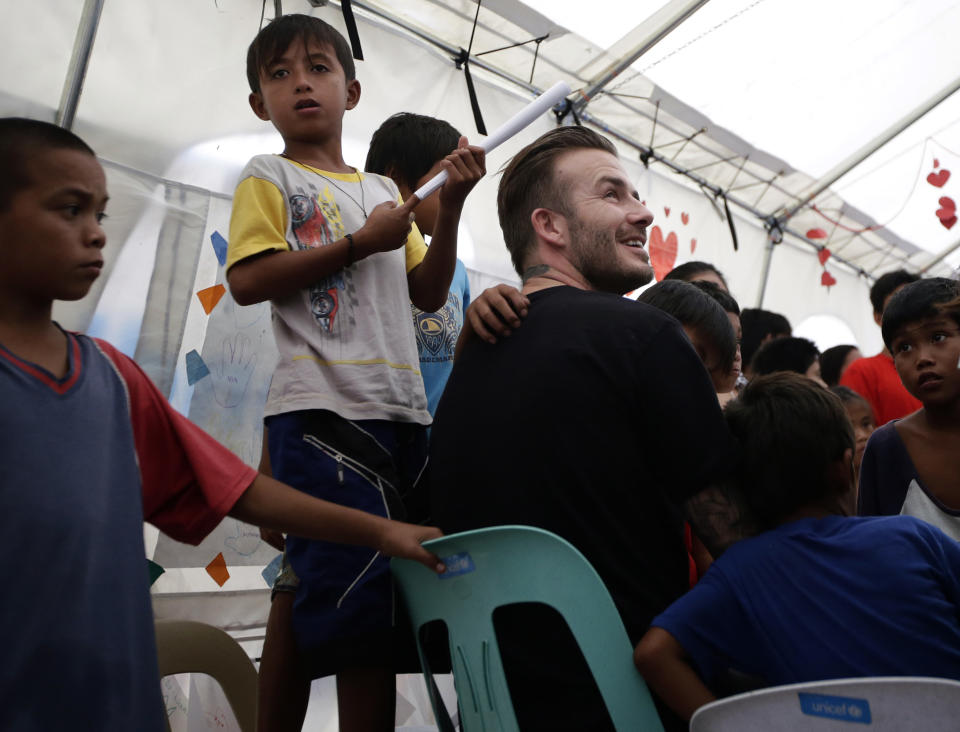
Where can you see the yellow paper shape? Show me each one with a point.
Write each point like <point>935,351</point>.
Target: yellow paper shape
<point>210,297</point>
<point>218,570</point>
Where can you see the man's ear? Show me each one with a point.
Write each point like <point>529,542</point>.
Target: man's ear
<point>878,318</point>
<point>550,226</point>
<point>353,93</point>
<point>258,107</point>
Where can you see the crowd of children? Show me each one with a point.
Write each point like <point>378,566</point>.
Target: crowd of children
<point>91,448</point>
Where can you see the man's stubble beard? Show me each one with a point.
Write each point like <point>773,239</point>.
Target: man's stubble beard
<point>595,254</point>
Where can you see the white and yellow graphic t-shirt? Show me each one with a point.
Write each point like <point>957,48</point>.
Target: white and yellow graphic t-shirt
<point>346,343</point>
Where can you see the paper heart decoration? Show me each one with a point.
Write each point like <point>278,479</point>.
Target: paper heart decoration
<point>816,234</point>
<point>827,279</point>
<point>685,218</point>
<point>947,213</point>
<point>663,252</point>
<point>666,210</point>
<point>823,255</point>
<point>939,178</point>
<point>693,245</point>
<point>936,163</point>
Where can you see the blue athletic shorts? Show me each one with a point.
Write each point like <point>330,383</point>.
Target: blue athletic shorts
<point>345,611</point>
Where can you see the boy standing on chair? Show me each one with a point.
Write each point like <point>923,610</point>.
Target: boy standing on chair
<point>819,594</point>
<point>338,256</point>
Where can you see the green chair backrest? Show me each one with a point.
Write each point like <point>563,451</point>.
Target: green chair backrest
<point>503,565</point>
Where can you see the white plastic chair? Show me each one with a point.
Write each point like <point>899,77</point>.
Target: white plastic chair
<point>185,646</point>
<point>881,704</point>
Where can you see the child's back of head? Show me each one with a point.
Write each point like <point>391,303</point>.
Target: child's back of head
<point>796,442</point>
<point>799,355</point>
<point>703,319</point>
<point>406,146</point>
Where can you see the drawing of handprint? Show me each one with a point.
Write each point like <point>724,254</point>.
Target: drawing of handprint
<point>245,541</point>
<point>232,371</point>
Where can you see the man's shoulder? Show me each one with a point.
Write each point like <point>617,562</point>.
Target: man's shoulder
<point>562,298</point>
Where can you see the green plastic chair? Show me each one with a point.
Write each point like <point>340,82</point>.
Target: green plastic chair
<point>503,565</point>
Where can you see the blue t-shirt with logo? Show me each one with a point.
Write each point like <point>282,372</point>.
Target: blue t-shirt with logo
<point>437,335</point>
<point>827,598</point>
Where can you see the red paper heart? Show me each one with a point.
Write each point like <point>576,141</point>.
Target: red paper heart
<point>936,163</point>
<point>823,255</point>
<point>947,212</point>
<point>816,234</point>
<point>939,178</point>
<point>663,253</point>
<point>666,210</point>
<point>693,245</point>
<point>685,218</point>
<point>827,279</point>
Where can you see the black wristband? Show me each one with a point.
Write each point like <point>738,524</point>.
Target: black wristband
<point>349,238</point>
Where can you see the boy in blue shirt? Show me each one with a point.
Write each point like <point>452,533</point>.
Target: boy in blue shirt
<point>818,594</point>
<point>336,253</point>
<point>90,450</point>
<point>409,149</point>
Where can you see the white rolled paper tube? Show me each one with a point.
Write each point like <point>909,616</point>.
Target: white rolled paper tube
<point>551,97</point>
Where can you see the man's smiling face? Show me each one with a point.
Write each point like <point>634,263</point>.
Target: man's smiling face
<point>607,225</point>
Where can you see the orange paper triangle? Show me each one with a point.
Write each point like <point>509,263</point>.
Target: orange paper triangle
<point>210,297</point>
<point>218,570</point>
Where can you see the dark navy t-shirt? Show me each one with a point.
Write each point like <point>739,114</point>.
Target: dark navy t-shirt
<point>827,598</point>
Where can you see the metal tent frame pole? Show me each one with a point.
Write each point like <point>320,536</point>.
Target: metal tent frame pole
<point>664,21</point>
<point>845,166</point>
<point>77,70</point>
<point>940,257</point>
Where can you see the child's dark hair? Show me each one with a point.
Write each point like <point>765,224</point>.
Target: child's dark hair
<point>831,362</point>
<point>785,354</point>
<point>757,324</point>
<point>921,300</point>
<point>847,395</point>
<point>697,310</point>
<point>691,269</point>
<point>407,145</point>
<point>886,284</point>
<point>724,298</point>
<point>21,140</point>
<point>791,432</point>
<point>275,38</point>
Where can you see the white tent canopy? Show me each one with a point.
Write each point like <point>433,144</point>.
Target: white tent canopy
<point>823,134</point>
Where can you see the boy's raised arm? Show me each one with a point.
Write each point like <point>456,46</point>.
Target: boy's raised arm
<point>664,665</point>
<point>270,503</point>
<point>429,282</point>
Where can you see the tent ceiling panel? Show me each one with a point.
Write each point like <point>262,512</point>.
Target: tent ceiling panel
<point>34,72</point>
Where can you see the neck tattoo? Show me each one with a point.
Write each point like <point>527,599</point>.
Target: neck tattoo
<point>536,270</point>
<point>361,204</point>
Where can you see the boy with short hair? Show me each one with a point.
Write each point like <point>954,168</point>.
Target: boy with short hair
<point>336,253</point>
<point>875,378</point>
<point>817,594</point>
<point>911,465</point>
<point>90,449</point>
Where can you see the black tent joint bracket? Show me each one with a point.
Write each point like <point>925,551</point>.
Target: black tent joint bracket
<point>563,109</point>
<point>774,229</point>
